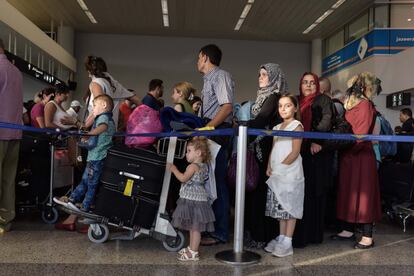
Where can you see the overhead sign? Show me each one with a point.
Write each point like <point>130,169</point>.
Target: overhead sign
<point>34,71</point>
<point>376,42</point>
<point>399,99</point>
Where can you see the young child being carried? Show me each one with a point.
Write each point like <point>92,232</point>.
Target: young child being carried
<point>193,212</point>
<point>103,128</point>
<point>286,180</point>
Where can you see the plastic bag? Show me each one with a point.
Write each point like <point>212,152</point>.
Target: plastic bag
<point>143,119</point>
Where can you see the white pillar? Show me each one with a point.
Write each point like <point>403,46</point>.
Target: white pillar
<point>66,38</point>
<point>316,62</point>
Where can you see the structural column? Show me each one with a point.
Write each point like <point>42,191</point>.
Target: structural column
<point>316,62</point>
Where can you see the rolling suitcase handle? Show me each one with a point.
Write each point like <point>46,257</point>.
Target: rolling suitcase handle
<point>134,176</point>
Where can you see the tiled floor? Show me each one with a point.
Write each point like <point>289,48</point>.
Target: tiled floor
<point>33,248</point>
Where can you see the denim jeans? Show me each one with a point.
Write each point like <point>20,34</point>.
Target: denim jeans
<point>221,205</point>
<point>88,185</point>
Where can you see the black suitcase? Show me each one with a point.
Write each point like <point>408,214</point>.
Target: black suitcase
<point>124,164</point>
<point>126,210</point>
<point>397,183</point>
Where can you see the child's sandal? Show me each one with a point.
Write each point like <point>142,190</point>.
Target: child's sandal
<point>188,255</point>
<point>183,250</point>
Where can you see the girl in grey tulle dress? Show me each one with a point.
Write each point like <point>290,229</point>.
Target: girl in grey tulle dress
<point>193,212</point>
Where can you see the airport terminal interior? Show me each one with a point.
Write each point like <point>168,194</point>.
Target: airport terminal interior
<point>307,105</point>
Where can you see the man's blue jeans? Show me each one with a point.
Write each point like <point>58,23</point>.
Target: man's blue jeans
<point>88,185</point>
<point>221,205</point>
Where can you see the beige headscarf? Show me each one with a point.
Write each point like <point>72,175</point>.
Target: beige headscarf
<point>367,81</point>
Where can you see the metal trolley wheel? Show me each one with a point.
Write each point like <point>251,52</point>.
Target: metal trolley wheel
<point>50,215</point>
<point>98,233</point>
<point>174,244</point>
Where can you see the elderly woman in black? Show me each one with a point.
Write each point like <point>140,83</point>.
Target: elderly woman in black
<point>260,229</point>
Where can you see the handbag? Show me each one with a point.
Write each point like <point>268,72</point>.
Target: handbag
<point>339,126</point>
<point>252,171</point>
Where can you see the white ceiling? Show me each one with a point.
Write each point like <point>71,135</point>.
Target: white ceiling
<point>274,20</point>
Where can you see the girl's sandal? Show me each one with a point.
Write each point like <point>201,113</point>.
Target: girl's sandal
<point>183,250</point>
<point>188,255</point>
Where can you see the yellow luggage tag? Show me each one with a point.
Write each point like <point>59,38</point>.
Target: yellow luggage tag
<point>128,187</point>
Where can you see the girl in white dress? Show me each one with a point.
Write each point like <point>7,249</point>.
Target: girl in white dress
<point>286,181</point>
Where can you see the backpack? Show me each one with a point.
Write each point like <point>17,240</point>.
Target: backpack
<point>386,148</point>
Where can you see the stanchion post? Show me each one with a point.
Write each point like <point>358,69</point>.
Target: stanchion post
<point>238,256</point>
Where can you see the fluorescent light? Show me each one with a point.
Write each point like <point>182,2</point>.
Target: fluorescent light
<point>165,20</point>
<point>337,4</point>
<point>244,14</point>
<point>239,24</point>
<point>324,16</point>
<point>164,5</point>
<point>310,28</point>
<point>87,12</point>
<point>82,5</point>
<point>90,16</point>
<point>245,11</point>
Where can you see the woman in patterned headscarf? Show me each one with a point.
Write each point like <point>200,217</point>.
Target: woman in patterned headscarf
<point>358,189</point>
<point>265,115</point>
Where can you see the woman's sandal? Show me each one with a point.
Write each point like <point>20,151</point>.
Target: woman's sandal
<point>188,255</point>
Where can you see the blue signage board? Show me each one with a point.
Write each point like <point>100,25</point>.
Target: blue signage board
<point>376,42</point>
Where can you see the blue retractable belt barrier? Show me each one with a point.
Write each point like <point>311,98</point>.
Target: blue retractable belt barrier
<point>228,132</point>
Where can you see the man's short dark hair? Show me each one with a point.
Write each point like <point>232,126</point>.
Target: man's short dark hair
<point>1,44</point>
<point>213,52</point>
<point>153,84</point>
<point>407,111</point>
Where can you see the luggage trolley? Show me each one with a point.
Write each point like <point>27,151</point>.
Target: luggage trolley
<point>143,200</point>
<point>30,180</point>
<point>50,213</point>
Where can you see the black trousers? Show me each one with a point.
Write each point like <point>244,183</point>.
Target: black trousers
<point>365,227</point>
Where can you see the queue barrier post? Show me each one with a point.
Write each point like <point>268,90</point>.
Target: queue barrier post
<point>238,256</point>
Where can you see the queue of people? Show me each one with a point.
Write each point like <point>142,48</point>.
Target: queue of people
<point>288,207</point>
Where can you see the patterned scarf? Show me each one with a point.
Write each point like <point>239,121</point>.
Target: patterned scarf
<point>277,84</point>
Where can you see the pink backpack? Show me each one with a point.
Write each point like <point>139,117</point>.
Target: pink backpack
<point>143,119</point>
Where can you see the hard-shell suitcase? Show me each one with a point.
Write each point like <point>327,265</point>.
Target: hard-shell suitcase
<point>128,210</point>
<point>139,170</point>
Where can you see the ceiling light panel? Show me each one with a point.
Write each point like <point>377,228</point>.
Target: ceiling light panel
<point>324,16</point>
<point>87,11</point>
<point>82,5</point>
<point>244,14</point>
<point>239,24</point>
<point>165,18</point>
<point>245,11</point>
<point>164,6</point>
<point>337,4</point>
<point>90,16</point>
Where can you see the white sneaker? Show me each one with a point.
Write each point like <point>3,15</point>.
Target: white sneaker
<point>282,250</point>
<point>61,201</point>
<point>270,247</point>
<point>72,206</point>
